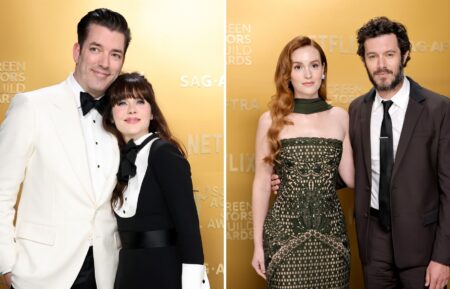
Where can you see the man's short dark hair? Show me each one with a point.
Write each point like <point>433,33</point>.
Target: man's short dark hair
<point>381,26</point>
<point>107,18</point>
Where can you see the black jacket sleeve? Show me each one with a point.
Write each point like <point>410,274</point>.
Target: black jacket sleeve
<point>173,174</point>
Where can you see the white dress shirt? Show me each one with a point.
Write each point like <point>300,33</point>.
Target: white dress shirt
<point>397,112</point>
<point>99,143</point>
<point>131,193</point>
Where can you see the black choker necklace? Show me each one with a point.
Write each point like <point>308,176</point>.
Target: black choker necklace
<point>308,106</point>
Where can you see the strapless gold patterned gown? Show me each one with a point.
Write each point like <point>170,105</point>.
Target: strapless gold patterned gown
<point>305,240</point>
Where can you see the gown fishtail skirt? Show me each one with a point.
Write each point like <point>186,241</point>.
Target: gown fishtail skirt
<point>305,239</point>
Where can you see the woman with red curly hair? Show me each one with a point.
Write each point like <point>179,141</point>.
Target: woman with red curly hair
<point>301,241</point>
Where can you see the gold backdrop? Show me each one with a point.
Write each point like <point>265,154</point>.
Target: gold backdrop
<point>177,44</point>
<point>257,31</point>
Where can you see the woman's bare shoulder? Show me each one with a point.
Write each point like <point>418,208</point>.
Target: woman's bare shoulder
<point>339,114</point>
<point>265,120</point>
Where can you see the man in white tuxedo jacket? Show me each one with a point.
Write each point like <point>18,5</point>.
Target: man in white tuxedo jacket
<point>65,232</point>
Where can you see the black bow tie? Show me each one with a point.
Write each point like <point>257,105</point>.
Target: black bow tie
<point>127,167</point>
<point>88,103</point>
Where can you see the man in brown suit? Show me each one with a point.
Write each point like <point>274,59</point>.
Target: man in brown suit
<point>400,134</point>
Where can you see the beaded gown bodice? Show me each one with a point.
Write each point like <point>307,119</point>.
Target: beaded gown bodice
<point>305,225</point>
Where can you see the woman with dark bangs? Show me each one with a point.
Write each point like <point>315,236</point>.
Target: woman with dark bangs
<point>301,242</point>
<point>153,200</point>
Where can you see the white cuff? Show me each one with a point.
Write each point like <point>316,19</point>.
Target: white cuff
<point>194,277</point>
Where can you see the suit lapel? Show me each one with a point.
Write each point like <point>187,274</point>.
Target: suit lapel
<point>67,124</point>
<point>413,112</point>
<point>365,126</point>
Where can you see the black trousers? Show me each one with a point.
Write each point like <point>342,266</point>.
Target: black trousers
<point>86,277</point>
<point>381,271</point>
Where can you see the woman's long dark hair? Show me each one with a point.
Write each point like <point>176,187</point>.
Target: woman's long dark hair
<point>134,85</point>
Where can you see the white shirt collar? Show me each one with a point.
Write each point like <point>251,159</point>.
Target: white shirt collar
<point>142,138</point>
<point>76,88</point>
<point>400,99</point>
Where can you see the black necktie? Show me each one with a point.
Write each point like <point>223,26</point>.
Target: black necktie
<point>88,103</point>
<point>127,167</point>
<point>386,164</point>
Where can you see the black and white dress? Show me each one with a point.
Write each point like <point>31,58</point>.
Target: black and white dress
<point>158,223</point>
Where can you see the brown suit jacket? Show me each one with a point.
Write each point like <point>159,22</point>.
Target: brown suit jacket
<point>420,185</point>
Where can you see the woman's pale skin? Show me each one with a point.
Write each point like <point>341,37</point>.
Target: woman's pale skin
<point>306,78</point>
<point>132,117</point>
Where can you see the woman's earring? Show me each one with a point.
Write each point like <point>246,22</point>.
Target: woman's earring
<point>323,76</point>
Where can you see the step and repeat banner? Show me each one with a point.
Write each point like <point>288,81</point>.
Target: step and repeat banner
<point>178,45</point>
<point>257,31</point>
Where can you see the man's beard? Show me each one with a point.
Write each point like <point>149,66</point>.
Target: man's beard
<point>390,86</point>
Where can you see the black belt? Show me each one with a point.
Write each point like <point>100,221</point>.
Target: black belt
<point>374,212</point>
<point>147,239</point>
